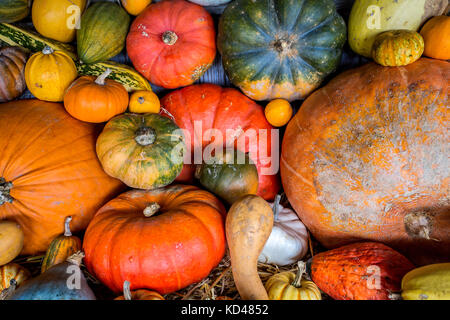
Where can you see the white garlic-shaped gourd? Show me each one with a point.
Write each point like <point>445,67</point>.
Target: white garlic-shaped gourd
<point>288,242</point>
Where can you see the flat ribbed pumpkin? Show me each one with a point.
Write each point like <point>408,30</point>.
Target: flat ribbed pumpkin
<point>12,73</point>
<point>281,48</point>
<point>369,153</point>
<point>163,240</point>
<point>50,169</point>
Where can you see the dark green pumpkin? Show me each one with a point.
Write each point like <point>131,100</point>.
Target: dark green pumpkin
<point>14,10</point>
<point>280,48</point>
<point>103,30</point>
<point>230,175</point>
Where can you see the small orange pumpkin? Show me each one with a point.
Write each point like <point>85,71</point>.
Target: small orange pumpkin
<point>278,112</point>
<point>140,294</point>
<point>144,101</point>
<point>96,100</point>
<point>135,7</point>
<point>436,34</point>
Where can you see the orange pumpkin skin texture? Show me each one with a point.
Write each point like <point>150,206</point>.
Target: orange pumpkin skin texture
<point>436,34</point>
<point>360,271</point>
<point>363,159</point>
<point>174,248</point>
<point>172,43</point>
<point>50,161</point>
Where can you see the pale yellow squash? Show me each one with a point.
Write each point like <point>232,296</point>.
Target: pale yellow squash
<point>11,241</point>
<point>431,282</point>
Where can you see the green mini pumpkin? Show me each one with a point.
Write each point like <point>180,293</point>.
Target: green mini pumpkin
<point>14,10</point>
<point>280,48</point>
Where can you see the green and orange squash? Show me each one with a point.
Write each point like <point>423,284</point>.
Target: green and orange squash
<point>14,10</point>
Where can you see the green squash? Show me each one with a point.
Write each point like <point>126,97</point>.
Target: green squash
<point>103,30</point>
<point>280,48</point>
<point>14,10</point>
<point>369,18</point>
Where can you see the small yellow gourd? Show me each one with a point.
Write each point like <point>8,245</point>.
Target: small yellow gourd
<point>431,282</point>
<point>135,7</point>
<point>144,101</point>
<point>11,240</point>
<point>290,286</point>
<point>278,112</point>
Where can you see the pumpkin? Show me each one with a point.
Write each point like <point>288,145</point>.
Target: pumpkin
<point>230,117</point>
<point>229,174</point>
<point>280,49</point>
<point>359,271</point>
<point>138,294</point>
<point>368,18</point>
<point>56,19</point>
<point>144,102</point>
<point>366,151</point>
<point>210,2</point>
<point>64,281</point>
<point>144,151</point>
<point>163,239</point>
<point>95,99</point>
<point>135,7</point>
<point>12,73</point>
<point>397,48</point>
<point>291,286</point>
<point>431,282</point>
<point>436,34</point>
<point>278,112</point>
<point>49,73</point>
<point>248,225</point>
<point>172,43</point>
<point>102,33</point>
<point>61,248</point>
<point>12,271</point>
<point>49,167</point>
<point>288,241</point>
<point>14,10</point>
<point>11,234</point>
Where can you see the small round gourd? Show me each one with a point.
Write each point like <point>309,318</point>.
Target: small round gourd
<point>144,102</point>
<point>278,112</point>
<point>141,294</point>
<point>436,35</point>
<point>11,236</point>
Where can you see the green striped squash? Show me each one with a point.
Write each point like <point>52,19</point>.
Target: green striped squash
<point>102,33</point>
<point>280,48</point>
<point>14,10</point>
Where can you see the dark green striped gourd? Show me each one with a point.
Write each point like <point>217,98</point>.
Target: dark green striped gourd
<point>280,48</point>
<point>14,10</point>
<point>102,34</point>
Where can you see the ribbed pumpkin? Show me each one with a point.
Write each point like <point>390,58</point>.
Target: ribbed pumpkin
<point>163,240</point>
<point>281,48</point>
<point>49,73</point>
<point>367,152</point>
<point>95,99</point>
<point>397,48</point>
<point>12,73</point>
<point>172,43</point>
<point>48,160</point>
<point>57,19</point>
<point>144,151</point>
<point>232,116</point>
<point>138,294</point>
<point>360,271</point>
<point>436,34</point>
<point>61,248</point>
<point>12,271</point>
<point>103,30</point>
<point>14,10</point>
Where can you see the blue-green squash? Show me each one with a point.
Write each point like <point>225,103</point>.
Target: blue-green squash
<point>280,48</point>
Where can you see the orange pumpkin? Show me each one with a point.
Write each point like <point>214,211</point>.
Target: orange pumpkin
<point>95,100</point>
<point>436,34</point>
<point>172,43</point>
<point>278,112</point>
<point>51,170</point>
<point>144,102</point>
<point>138,294</point>
<point>365,158</point>
<point>135,7</point>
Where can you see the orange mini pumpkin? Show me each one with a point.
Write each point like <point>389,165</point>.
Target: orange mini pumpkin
<point>96,100</point>
<point>436,34</point>
<point>144,101</point>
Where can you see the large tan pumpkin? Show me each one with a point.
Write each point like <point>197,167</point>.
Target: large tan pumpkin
<point>48,171</point>
<point>366,157</point>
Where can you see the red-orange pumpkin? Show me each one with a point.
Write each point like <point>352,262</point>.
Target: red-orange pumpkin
<point>49,170</point>
<point>366,158</point>
<point>177,246</point>
<point>233,115</point>
<point>172,43</point>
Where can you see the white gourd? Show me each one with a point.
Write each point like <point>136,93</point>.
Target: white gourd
<point>288,242</point>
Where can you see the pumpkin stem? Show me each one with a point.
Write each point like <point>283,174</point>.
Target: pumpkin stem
<point>151,209</point>
<point>47,50</point>
<point>76,258</point>
<point>101,78</point>
<point>5,187</point>
<point>145,136</point>
<point>276,207</point>
<point>198,171</point>
<point>298,277</point>
<point>6,293</point>
<point>418,224</point>
<point>141,100</point>
<point>169,38</point>
<point>126,290</point>
<point>67,231</point>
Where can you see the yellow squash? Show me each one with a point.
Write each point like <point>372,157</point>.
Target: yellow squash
<point>11,240</point>
<point>135,7</point>
<point>12,271</point>
<point>144,101</point>
<point>430,282</point>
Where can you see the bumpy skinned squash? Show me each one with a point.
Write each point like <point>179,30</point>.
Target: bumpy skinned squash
<point>282,48</point>
<point>431,282</point>
<point>14,10</point>
<point>48,160</point>
<point>368,152</point>
<point>12,73</point>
